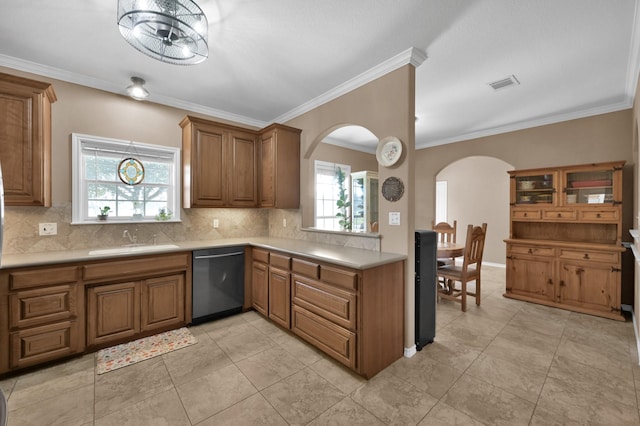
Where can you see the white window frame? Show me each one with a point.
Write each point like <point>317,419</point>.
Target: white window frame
<point>441,201</point>
<point>79,184</point>
<point>326,165</point>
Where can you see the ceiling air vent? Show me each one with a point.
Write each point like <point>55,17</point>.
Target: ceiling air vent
<point>505,82</point>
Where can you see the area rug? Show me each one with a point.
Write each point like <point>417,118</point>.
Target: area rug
<point>119,356</point>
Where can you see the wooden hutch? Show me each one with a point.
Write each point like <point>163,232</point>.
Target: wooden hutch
<point>564,247</point>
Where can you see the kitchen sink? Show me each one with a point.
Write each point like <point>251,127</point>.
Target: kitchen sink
<point>133,249</point>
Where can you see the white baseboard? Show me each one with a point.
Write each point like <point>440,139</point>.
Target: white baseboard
<point>629,308</point>
<point>409,352</point>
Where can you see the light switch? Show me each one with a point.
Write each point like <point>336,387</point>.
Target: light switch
<point>394,218</point>
<point>216,223</point>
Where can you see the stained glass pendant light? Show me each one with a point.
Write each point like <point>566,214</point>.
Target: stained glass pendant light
<point>173,31</point>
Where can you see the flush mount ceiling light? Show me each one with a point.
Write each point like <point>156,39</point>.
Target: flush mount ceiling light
<point>137,90</point>
<point>173,31</point>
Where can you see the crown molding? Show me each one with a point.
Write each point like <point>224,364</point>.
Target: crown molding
<point>619,106</point>
<point>411,56</point>
<point>94,83</point>
<point>633,66</point>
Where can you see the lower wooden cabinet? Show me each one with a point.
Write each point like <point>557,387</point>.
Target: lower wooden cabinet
<point>120,311</point>
<point>280,296</point>
<point>336,309</point>
<point>579,278</point>
<point>162,302</point>
<point>113,312</point>
<point>52,312</point>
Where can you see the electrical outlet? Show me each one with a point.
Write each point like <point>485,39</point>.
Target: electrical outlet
<point>48,228</point>
<point>216,223</point>
<point>284,222</point>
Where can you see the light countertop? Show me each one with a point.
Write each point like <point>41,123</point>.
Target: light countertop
<point>346,256</point>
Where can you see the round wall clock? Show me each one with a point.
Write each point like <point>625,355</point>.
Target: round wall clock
<point>389,151</point>
<point>392,189</point>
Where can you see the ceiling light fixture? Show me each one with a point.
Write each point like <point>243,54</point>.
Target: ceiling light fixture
<point>137,90</point>
<point>173,31</point>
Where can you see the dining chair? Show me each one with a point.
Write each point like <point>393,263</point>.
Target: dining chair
<point>468,271</point>
<point>445,233</point>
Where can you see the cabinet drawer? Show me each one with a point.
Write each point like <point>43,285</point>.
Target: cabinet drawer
<point>280,261</point>
<point>559,214</point>
<point>329,302</point>
<point>129,268</point>
<point>35,278</point>
<point>32,307</point>
<point>599,215</point>
<point>260,255</point>
<point>593,256</point>
<point>339,277</point>
<point>45,343</point>
<point>529,214</point>
<point>332,339</point>
<point>303,267</point>
<point>532,250</point>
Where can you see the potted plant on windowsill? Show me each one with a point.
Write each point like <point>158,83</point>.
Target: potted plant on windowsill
<point>104,213</point>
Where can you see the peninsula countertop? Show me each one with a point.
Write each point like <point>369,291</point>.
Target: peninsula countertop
<point>350,257</point>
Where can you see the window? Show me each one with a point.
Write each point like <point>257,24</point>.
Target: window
<point>327,193</point>
<point>441,201</point>
<point>96,182</point>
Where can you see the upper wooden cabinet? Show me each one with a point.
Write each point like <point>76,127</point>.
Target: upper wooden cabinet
<point>280,167</point>
<point>224,166</point>
<point>564,248</point>
<point>25,140</point>
<point>219,165</point>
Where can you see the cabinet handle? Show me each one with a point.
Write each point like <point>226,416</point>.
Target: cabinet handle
<point>550,282</point>
<point>530,251</point>
<point>525,215</point>
<point>586,256</point>
<point>562,284</point>
<point>614,269</point>
<point>559,214</point>
<point>598,215</point>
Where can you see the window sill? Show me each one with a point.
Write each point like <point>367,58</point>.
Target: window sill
<point>123,221</point>
<point>347,233</point>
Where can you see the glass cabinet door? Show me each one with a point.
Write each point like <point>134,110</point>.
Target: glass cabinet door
<point>534,189</point>
<point>588,187</point>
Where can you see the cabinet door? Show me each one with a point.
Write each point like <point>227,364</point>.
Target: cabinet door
<point>280,167</point>
<point>530,277</point>
<point>44,343</point>
<point>242,170</point>
<point>280,297</point>
<point>209,181</point>
<point>25,151</point>
<point>113,312</point>
<point>589,285</point>
<point>162,302</point>
<point>267,170</point>
<point>260,287</point>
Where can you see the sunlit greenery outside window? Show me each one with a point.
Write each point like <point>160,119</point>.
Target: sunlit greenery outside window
<point>96,183</point>
<point>327,193</point>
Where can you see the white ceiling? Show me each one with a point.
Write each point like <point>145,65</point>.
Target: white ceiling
<point>271,60</point>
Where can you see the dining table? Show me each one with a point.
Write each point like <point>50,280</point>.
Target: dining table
<point>449,250</point>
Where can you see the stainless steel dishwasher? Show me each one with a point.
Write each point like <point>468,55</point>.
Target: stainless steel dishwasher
<point>218,282</point>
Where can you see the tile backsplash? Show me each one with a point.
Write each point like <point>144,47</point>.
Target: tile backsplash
<point>21,229</point>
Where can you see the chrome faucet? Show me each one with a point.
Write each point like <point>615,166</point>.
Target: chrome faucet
<point>133,238</point>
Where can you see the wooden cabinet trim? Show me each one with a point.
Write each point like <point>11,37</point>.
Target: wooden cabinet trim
<point>44,276</point>
<point>144,266</point>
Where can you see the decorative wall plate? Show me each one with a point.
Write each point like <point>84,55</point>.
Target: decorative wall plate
<point>389,151</point>
<point>131,171</point>
<point>392,189</point>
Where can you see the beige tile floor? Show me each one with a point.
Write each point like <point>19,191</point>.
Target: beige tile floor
<point>505,362</point>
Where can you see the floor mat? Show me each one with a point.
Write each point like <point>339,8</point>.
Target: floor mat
<point>119,356</point>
